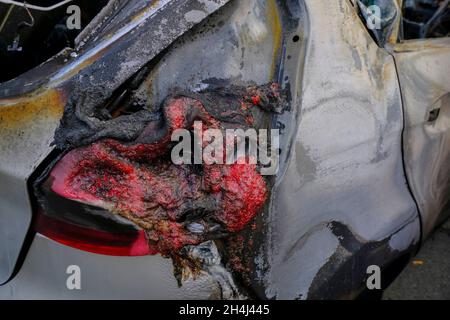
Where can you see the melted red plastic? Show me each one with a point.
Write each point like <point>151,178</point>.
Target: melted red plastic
<point>140,183</point>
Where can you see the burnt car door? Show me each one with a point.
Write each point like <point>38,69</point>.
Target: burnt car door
<point>341,203</point>
<point>423,64</point>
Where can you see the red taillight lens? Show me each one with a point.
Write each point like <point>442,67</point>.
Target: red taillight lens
<point>91,240</point>
<point>86,227</point>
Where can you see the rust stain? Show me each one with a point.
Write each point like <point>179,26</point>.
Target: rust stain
<point>275,24</point>
<point>20,112</point>
<point>81,66</point>
<point>152,6</point>
<point>422,44</point>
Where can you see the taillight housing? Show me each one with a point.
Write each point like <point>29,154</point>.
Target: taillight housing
<point>87,228</point>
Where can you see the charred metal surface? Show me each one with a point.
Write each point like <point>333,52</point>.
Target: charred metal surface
<point>29,37</point>
<point>85,120</point>
<point>32,104</point>
<point>248,36</point>
<point>138,42</point>
<point>127,41</point>
<point>243,42</point>
<point>340,199</point>
<point>346,268</point>
<point>345,164</point>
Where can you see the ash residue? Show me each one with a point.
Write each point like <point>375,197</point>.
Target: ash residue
<point>87,119</point>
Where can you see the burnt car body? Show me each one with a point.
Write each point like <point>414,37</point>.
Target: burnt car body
<point>363,172</point>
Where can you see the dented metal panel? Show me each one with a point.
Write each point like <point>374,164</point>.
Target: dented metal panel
<point>344,191</point>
